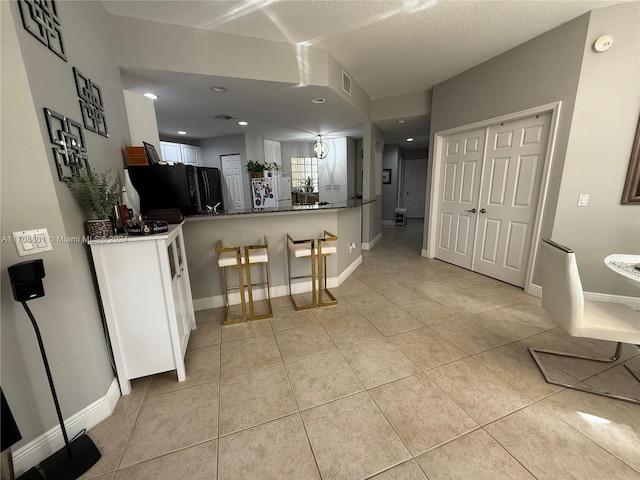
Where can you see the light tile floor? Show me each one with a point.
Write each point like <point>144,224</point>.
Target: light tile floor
<point>420,372</point>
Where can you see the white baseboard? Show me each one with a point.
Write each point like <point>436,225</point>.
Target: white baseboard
<point>370,245</point>
<point>535,290</point>
<point>349,270</point>
<point>278,291</point>
<point>52,440</point>
<point>423,253</point>
<point>631,302</point>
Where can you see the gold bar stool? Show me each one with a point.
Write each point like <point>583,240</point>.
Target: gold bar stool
<point>258,255</point>
<point>302,249</point>
<point>324,250</point>
<point>231,257</point>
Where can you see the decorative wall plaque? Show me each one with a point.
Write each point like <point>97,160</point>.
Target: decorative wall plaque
<point>91,104</point>
<point>40,19</point>
<point>70,150</point>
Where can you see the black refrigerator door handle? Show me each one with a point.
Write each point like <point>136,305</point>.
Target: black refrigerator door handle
<point>208,188</point>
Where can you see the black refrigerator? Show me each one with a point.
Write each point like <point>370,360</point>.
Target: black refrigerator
<point>192,189</point>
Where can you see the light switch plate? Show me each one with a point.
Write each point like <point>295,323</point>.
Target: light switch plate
<point>583,199</point>
<point>30,242</point>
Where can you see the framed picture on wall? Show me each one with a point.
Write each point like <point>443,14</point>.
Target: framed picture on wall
<point>631,192</point>
<point>386,175</point>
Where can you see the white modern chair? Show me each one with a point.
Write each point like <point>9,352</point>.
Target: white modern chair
<point>563,299</point>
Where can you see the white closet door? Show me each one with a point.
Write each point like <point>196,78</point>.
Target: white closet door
<point>232,172</point>
<point>511,176</point>
<point>459,190</point>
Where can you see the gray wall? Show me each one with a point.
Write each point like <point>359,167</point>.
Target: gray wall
<point>351,167</point>
<point>600,103</point>
<point>543,70</point>
<point>349,231</point>
<point>602,131</point>
<point>33,197</point>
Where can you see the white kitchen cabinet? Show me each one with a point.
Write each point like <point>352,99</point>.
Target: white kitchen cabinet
<point>332,172</point>
<point>180,153</point>
<point>146,297</point>
<point>272,153</point>
<point>170,152</point>
<point>190,154</point>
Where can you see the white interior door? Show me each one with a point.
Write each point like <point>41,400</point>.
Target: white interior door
<point>459,191</point>
<point>232,172</point>
<point>415,187</point>
<point>511,176</point>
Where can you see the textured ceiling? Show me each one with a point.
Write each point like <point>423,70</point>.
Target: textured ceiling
<point>388,47</point>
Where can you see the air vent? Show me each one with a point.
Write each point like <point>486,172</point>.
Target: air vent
<point>346,83</point>
<point>224,116</point>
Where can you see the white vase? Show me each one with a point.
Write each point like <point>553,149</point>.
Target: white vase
<point>130,196</point>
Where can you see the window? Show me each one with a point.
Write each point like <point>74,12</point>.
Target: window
<point>301,170</point>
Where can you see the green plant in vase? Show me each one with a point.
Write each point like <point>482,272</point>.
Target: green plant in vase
<point>308,184</point>
<point>256,169</point>
<point>97,194</point>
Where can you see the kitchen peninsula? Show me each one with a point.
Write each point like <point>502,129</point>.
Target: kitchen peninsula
<point>245,227</point>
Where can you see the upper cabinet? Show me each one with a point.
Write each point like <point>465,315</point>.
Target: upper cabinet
<point>332,172</point>
<point>180,153</point>
<point>272,152</point>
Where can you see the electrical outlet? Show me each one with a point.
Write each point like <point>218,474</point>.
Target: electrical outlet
<point>30,242</point>
<point>583,199</point>
<point>352,247</point>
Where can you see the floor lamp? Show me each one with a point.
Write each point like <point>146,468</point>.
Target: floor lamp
<point>80,454</point>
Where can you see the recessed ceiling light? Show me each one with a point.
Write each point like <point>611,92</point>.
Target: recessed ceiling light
<point>219,89</point>
<point>318,100</point>
<point>242,123</point>
<point>152,96</point>
<point>181,132</point>
<point>410,139</point>
<point>400,122</point>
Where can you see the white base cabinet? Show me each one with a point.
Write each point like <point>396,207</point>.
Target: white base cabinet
<point>146,297</point>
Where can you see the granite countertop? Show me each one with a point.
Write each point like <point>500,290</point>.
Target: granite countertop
<point>352,203</point>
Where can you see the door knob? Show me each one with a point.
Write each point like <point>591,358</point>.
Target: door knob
<point>483,210</point>
<point>473,210</point>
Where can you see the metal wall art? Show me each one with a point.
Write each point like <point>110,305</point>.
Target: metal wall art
<point>70,149</point>
<point>91,104</point>
<point>40,19</point>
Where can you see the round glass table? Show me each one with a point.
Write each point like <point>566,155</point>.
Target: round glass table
<point>624,265</point>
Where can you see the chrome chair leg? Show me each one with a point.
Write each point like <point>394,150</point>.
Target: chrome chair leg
<point>535,351</point>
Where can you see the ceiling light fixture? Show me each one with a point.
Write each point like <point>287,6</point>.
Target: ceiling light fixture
<point>318,100</point>
<point>242,123</point>
<point>410,139</point>
<point>320,148</point>
<point>181,132</point>
<point>152,96</point>
<point>400,122</point>
<point>219,89</point>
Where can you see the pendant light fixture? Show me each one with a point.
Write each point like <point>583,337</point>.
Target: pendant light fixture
<point>320,148</point>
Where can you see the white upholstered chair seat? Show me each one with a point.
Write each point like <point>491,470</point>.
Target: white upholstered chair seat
<point>230,259</point>
<point>301,250</point>
<point>609,321</point>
